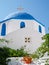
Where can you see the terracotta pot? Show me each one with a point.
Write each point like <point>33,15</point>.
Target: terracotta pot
<point>27,59</point>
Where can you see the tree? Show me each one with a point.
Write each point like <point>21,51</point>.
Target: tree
<point>46,43</point>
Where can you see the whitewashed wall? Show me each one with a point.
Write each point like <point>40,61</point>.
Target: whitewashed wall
<point>17,39</point>
<point>36,25</point>
<point>13,25</point>
<point>17,35</point>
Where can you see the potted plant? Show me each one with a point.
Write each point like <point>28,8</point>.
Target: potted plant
<point>27,59</point>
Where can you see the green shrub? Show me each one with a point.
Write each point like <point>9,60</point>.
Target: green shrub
<point>3,56</point>
<point>6,52</point>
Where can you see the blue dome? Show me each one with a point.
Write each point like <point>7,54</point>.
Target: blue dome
<point>21,16</point>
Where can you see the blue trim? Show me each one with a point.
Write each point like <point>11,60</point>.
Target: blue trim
<point>3,30</point>
<point>39,22</point>
<point>22,16</point>
<point>40,29</point>
<point>5,20</point>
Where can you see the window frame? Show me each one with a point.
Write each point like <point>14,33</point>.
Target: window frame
<point>40,29</point>
<point>22,24</point>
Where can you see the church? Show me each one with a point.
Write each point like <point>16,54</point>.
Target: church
<point>22,29</point>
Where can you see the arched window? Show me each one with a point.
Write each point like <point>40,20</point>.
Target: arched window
<point>40,29</point>
<point>22,25</point>
<point>3,30</point>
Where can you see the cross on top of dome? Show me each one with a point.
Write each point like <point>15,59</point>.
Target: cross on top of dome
<point>20,8</point>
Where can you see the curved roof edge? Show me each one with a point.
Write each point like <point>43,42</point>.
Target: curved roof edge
<point>23,19</point>
<point>39,22</point>
<point>22,16</point>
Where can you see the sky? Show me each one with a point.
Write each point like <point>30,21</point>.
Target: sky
<point>39,9</point>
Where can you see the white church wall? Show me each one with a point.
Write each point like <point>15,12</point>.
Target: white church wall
<point>18,35</point>
<point>29,24</point>
<point>43,30</point>
<point>36,27</point>
<point>13,25</point>
<point>28,36</point>
<point>17,39</point>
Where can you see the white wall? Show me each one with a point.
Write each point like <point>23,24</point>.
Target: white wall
<point>36,27</point>
<point>13,25</point>
<point>17,35</point>
<point>17,39</point>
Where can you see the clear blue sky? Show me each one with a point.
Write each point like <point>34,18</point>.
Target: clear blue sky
<point>39,9</point>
